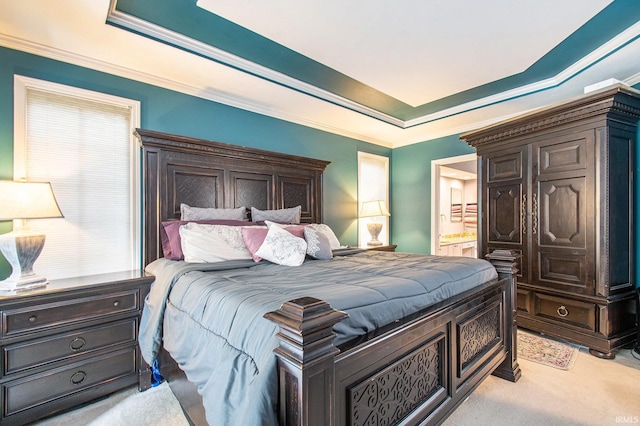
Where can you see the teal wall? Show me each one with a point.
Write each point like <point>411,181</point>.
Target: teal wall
<point>411,190</point>
<point>172,112</point>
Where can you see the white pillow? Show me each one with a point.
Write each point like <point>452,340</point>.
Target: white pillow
<point>318,245</point>
<point>208,213</point>
<point>290,215</point>
<point>328,232</point>
<point>212,243</point>
<point>282,247</point>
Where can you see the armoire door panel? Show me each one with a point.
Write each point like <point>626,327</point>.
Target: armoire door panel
<point>564,156</point>
<point>506,213</point>
<point>561,216</point>
<point>564,272</point>
<point>508,166</point>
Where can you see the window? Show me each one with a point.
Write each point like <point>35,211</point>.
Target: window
<point>373,184</point>
<point>82,142</point>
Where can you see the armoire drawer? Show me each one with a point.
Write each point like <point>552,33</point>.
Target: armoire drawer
<point>33,353</point>
<point>566,311</point>
<point>35,390</point>
<point>37,317</point>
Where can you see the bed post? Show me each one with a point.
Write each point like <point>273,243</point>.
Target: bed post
<point>306,358</point>
<point>505,263</point>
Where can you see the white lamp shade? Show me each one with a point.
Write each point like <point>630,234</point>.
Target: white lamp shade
<point>27,200</point>
<point>374,208</point>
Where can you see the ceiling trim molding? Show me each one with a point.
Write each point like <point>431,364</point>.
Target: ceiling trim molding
<point>124,20</point>
<point>603,51</point>
<point>200,92</point>
<point>169,37</point>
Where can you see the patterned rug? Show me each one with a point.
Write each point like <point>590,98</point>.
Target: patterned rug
<point>546,351</point>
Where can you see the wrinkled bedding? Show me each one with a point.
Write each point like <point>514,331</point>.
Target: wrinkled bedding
<point>209,317</point>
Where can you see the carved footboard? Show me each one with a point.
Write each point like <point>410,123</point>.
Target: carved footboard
<point>415,371</point>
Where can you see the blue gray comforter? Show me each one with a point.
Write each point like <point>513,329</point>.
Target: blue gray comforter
<point>210,316</point>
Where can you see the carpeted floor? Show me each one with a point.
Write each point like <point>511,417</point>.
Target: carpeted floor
<point>154,407</point>
<point>593,392</point>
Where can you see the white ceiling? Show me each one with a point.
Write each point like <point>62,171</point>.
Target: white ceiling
<point>414,50</point>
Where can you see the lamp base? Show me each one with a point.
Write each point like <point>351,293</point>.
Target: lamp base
<point>21,249</point>
<point>374,229</point>
<point>31,281</point>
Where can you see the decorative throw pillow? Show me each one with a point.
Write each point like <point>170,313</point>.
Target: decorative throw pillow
<point>283,248</point>
<point>297,230</point>
<point>318,245</point>
<point>254,237</point>
<point>290,215</point>
<point>202,213</point>
<point>170,234</point>
<point>328,232</point>
<point>212,243</point>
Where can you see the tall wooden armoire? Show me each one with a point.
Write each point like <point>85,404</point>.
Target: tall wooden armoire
<point>557,186</point>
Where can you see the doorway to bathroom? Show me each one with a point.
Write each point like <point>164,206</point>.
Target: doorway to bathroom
<point>454,206</point>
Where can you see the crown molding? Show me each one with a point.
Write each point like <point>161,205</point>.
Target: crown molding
<point>197,91</point>
<point>172,38</point>
<point>169,37</point>
<point>602,52</point>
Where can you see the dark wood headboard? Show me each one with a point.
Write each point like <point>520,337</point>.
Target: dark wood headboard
<point>202,173</point>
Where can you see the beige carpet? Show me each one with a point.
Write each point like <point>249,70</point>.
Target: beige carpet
<point>156,406</point>
<point>593,392</point>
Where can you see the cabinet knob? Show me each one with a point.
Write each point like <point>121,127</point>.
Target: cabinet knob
<point>32,319</point>
<point>562,311</point>
<point>116,303</point>
<point>78,377</point>
<point>77,344</point>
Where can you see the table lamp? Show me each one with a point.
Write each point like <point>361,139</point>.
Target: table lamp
<point>21,248</point>
<point>374,209</point>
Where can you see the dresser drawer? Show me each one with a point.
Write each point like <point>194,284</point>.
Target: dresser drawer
<point>566,311</point>
<point>37,352</point>
<point>37,317</point>
<point>35,390</point>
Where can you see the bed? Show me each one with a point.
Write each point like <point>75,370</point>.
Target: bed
<point>329,360</point>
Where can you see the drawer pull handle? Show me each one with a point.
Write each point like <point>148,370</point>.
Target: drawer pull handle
<point>77,344</point>
<point>116,303</point>
<point>32,319</point>
<point>78,377</point>
<point>562,311</point>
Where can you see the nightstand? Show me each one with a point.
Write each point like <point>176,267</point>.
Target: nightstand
<point>391,247</point>
<point>68,343</point>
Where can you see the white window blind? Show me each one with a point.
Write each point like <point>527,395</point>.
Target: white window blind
<point>83,144</point>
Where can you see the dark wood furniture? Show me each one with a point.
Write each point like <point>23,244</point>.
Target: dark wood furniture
<point>71,342</point>
<point>557,187</point>
<point>390,247</point>
<point>202,173</point>
<point>423,367</point>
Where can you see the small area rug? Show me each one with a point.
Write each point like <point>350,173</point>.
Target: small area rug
<point>546,351</point>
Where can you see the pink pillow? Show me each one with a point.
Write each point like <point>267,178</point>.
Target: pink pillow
<point>297,230</point>
<point>254,237</point>
<point>170,234</point>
